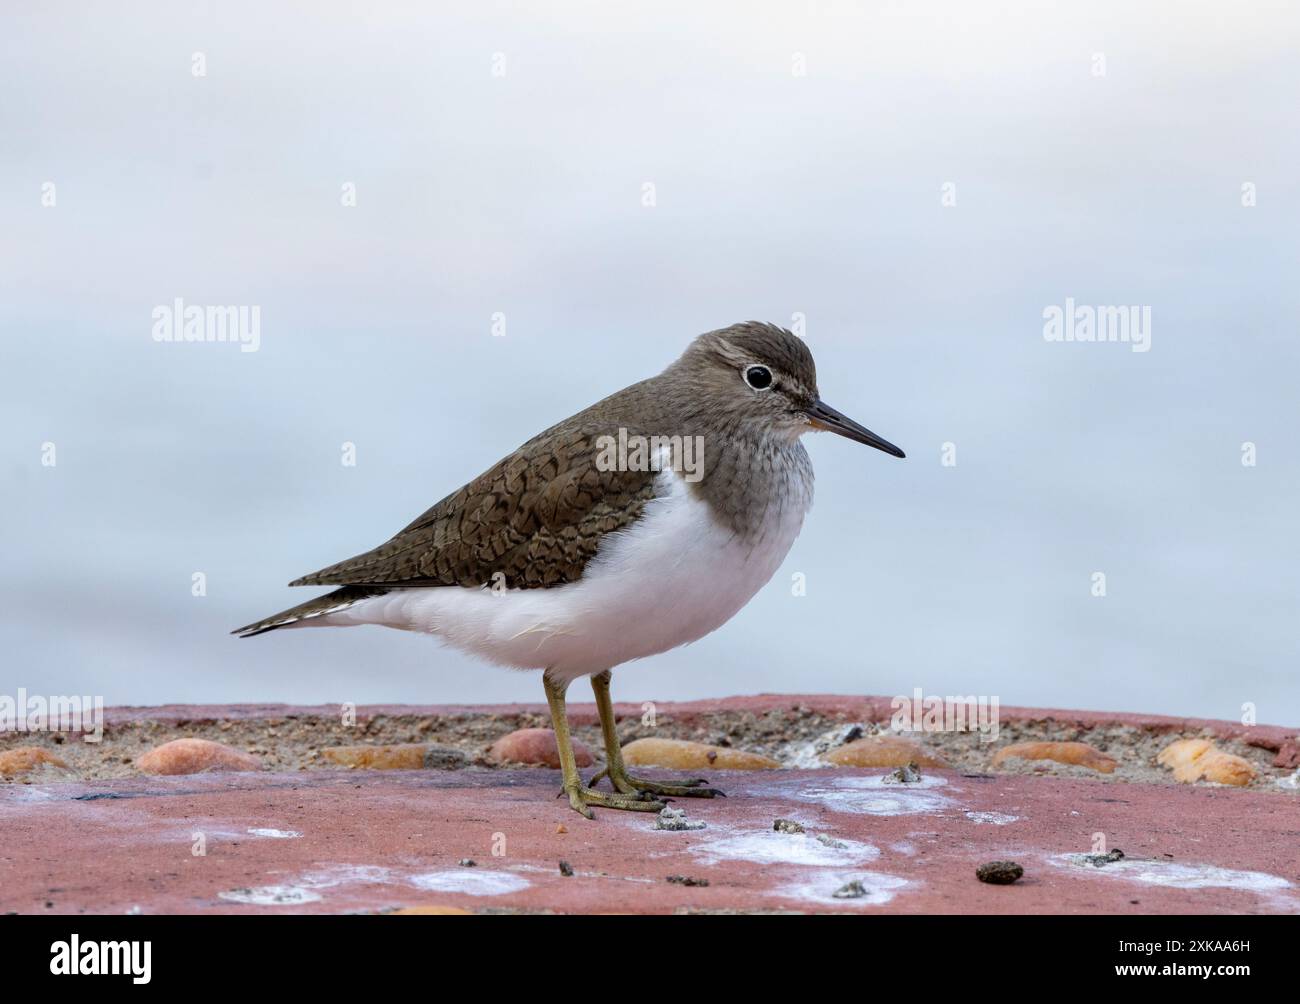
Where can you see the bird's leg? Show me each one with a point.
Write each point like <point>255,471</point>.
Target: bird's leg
<point>582,798</point>
<point>618,775</point>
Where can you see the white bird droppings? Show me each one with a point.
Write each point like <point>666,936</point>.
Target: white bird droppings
<point>769,847</point>
<point>471,881</point>
<point>1177,875</point>
<point>992,818</point>
<point>337,875</point>
<point>273,834</point>
<point>271,895</point>
<point>872,796</point>
<point>820,887</point>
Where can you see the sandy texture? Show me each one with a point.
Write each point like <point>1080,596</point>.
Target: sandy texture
<point>796,731</point>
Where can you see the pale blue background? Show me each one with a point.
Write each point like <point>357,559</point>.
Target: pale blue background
<point>776,195</point>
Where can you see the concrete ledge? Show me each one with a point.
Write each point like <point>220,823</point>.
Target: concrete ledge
<point>867,708</point>
<point>99,837</point>
<point>329,842</point>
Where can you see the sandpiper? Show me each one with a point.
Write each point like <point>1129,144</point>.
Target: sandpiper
<point>640,524</point>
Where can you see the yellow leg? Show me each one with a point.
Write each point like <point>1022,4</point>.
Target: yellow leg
<point>581,797</point>
<point>618,775</point>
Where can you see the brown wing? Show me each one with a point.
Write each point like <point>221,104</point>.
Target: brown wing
<point>538,517</point>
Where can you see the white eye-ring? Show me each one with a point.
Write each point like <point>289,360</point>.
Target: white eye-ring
<point>758,377</point>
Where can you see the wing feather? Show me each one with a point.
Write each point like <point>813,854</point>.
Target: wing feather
<point>537,517</point>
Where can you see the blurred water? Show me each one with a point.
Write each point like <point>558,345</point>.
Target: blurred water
<point>775,195</point>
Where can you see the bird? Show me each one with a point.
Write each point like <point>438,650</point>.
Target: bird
<point>637,525</point>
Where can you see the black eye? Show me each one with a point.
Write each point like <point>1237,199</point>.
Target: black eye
<point>758,377</point>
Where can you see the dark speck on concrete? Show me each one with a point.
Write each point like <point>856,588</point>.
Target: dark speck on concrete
<point>999,872</point>
<point>908,774</point>
<point>444,758</point>
<point>1101,860</point>
<point>675,820</point>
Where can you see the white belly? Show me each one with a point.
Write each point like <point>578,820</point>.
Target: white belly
<point>670,579</point>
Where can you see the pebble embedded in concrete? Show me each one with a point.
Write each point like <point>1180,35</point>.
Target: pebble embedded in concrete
<point>24,759</point>
<point>1070,754</point>
<point>882,751</point>
<point>193,756</point>
<point>536,747</point>
<point>401,756</point>
<point>681,754</point>
<point>1194,759</point>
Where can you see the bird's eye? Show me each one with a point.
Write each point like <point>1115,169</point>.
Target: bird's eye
<point>758,377</point>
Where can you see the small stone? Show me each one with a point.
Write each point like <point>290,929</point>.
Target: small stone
<point>566,869</point>
<point>787,826</point>
<point>535,747</point>
<point>1288,755</point>
<point>400,756</point>
<point>467,863</point>
<point>1072,754</point>
<point>192,756</point>
<point>680,754</point>
<point>1194,759</point>
<point>561,828</point>
<point>999,872</point>
<point>438,757</point>
<point>881,751</point>
<point>687,880</point>
<point>675,820</point>
<point>22,759</point>
<point>850,890</point>
<point>907,774</point>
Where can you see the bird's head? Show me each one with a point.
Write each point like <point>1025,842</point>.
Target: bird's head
<point>755,376</point>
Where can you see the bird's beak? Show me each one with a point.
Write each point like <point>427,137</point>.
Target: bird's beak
<point>823,416</point>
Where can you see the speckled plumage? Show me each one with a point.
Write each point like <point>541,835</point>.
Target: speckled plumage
<point>597,555</point>
<point>535,519</point>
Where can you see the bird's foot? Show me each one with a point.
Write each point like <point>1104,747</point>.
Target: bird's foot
<point>681,788</point>
<point>582,799</point>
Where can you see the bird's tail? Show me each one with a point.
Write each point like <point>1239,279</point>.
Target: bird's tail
<point>339,599</point>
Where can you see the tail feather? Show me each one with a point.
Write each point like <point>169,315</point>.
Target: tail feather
<point>339,599</point>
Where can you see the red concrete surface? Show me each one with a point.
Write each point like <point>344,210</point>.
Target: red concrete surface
<point>369,841</point>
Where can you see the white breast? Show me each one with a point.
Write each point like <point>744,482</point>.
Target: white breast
<point>669,579</point>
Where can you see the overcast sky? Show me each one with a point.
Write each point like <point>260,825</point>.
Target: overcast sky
<point>799,156</point>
